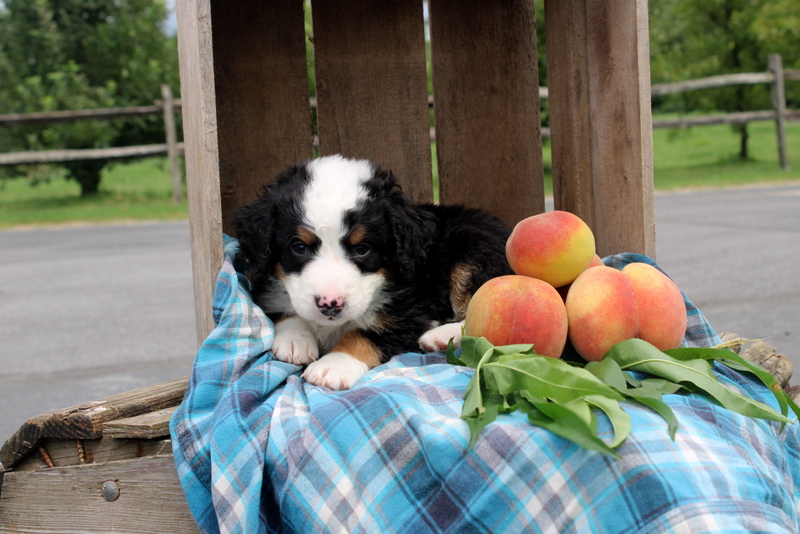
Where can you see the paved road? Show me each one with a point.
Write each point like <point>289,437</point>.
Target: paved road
<point>90,312</point>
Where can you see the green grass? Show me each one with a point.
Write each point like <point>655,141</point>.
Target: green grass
<point>700,157</point>
<point>135,191</point>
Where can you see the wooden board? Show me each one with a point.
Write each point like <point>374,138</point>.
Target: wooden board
<point>198,100</point>
<point>146,426</point>
<point>85,421</point>
<point>601,125</point>
<point>486,105</point>
<point>70,499</point>
<point>372,87</point>
<point>261,79</point>
<point>68,452</point>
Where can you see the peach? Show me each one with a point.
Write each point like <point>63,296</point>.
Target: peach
<point>601,311</point>
<point>563,290</point>
<point>605,306</point>
<point>555,246</point>
<point>662,312</point>
<point>515,309</point>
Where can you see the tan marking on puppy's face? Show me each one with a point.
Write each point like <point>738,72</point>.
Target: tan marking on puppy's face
<point>356,345</point>
<point>306,236</point>
<point>460,281</point>
<point>356,236</point>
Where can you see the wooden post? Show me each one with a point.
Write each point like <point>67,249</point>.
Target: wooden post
<point>172,143</point>
<point>198,102</point>
<point>486,106</point>
<point>601,127</point>
<point>779,105</point>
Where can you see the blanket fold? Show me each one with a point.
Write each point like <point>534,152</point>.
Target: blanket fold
<point>259,450</point>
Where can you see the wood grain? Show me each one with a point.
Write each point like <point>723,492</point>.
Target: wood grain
<point>601,125</point>
<point>261,81</point>
<point>372,87</point>
<point>69,499</point>
<point>198,100</point>
<point>85,421</point>
<point>486,106</point>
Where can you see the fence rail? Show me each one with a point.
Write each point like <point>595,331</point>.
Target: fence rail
<point>775,77</point>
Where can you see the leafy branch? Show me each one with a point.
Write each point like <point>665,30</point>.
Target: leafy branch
<point>564,398</point>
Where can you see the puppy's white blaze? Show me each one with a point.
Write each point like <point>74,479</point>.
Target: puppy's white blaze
<point>335,186</point>
<point>337,370</point>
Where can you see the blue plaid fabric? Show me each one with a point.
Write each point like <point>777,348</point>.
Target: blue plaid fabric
<point>258,450</point>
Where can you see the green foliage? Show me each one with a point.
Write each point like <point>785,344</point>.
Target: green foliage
<point>79,54</point>
<point>564,398</point>
<point>693,39</point>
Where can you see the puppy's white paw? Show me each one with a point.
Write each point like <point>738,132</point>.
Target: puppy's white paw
<point>438,338</point>
<point>294,342</point>
<point>337,370</point>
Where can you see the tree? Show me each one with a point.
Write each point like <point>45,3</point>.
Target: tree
<point>75,54</point>
<point>698,38</point>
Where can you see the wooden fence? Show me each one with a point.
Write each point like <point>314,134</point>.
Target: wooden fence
<point>775,77</point>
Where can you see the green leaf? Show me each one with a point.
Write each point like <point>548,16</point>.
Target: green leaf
<point>568,421</point>
<point>620,420</point>
<point>654,402</point>
<point>638,355</point>
<point>545,377</point>
<point>736,362</point>
<point>477,421</point>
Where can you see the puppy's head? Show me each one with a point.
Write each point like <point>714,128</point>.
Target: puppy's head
<point>327,239</point>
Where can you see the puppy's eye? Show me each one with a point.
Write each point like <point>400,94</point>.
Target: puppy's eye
<point>361,249</point>
<point>301,249</point>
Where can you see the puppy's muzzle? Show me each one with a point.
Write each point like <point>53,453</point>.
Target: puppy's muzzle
<point>330,308</point>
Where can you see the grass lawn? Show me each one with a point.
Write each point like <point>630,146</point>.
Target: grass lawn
<point>134,191</point>
<point>700,157</point>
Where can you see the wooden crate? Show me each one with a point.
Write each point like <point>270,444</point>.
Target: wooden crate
<point>246,114</point>
<point>103,466</point>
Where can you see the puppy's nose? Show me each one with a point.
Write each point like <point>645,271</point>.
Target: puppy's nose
<point>330,307</point>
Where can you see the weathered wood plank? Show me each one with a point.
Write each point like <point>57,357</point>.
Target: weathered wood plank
<point>146,426</point>
<point>85,421</point>
<point>488,131</point>
<point>601,127</point>
<point>79,154</point>
<point>261,78</point>
<point>779,105</point>
<point>68,452</point>
<point>171,135</point>
<point>372,102</point>
<point>198,97</point>
<point>70,499</point>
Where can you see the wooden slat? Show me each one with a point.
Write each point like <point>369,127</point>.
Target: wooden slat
<point>261,78</point>
<point>85,421</point>
<point>69,499</point>
<point>80,154</point>
<point>485,77</point>
<point>68,452</point>
<point>198,98</point>
<point>601,125</point>
<point>372,88</point>
<point>146,426</point>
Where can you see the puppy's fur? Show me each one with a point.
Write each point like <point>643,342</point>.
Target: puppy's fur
<point>353,272</point>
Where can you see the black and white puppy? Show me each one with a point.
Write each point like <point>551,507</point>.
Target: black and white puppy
<point>353,272</point>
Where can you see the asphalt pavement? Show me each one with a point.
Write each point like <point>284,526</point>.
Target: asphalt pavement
<point>88,312</point>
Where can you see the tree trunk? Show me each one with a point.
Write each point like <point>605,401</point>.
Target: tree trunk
<point>743,137</point>
<point>87,174</point>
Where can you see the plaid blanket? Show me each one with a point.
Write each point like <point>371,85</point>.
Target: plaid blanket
<point>258,450</point>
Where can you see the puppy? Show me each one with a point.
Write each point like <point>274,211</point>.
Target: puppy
<point>352,272</point>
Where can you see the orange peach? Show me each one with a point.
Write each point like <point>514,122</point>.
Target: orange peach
<point>605,306</point>
<point>601,311</point>
<point>662,312</point>
<point>555,246</point>
<point>515,309</point>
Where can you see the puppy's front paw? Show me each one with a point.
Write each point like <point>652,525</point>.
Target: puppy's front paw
<point>337,370</point>
<point>438,338</point>
<point>294,342</point>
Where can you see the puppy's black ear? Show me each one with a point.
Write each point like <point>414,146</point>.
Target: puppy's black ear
<point>254,230</point>
<point>413,228</point>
